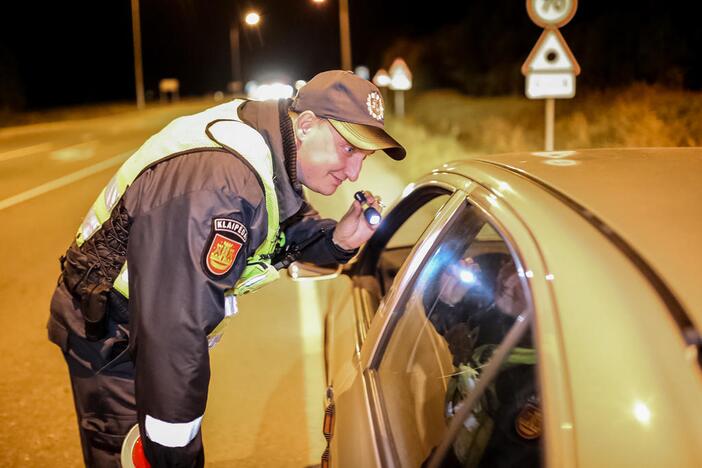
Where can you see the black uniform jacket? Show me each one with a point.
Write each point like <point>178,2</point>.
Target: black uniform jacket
<point>171,217</point>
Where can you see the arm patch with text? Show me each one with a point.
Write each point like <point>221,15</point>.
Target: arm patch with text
<point>227,237</point>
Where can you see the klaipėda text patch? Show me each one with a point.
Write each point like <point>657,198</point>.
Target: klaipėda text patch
<point>226,240</point>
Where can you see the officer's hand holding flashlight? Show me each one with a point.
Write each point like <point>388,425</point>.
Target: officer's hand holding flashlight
<point>359,222</point>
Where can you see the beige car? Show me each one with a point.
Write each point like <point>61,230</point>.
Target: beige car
<point>525,310</point>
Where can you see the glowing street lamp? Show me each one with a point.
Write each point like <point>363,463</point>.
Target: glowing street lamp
<point>252,18</point>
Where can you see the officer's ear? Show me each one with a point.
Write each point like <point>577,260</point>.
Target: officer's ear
<point>304,123</point>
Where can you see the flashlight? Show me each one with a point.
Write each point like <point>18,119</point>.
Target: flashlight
<point>370,213</point>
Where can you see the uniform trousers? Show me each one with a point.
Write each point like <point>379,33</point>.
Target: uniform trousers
<point>102,380</point>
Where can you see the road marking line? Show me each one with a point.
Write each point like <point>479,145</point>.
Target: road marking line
<point>311,333</point>
<point>26,151</point>
<point>65,180</point>
<point>75,152</point>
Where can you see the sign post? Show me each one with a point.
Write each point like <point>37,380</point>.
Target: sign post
<point>400,81</point>
<point>550,69</point>
<point>550,117</point>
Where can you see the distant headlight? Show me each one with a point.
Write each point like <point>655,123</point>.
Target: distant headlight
<point>271,91</point>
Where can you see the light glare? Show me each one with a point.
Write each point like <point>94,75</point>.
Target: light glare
<point>642,413</point>
<point>271,91</point>
<point>467,276</point>
<point>252,18</point>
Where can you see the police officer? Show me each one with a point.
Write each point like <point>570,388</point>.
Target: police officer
<point>192,219</point>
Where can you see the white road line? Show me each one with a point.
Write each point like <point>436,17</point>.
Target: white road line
<point>77,152</point>
<point>65,180</point>
<point>26,151</point>
<point>311,333</point>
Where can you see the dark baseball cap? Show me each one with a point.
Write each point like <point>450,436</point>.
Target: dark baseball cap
<point>353,106</point>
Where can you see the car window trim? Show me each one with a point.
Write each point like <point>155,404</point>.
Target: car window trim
<point>409,270</point>
<point>415,195</point>
<point>361,319</point>
<point>528,256</point>
<point>387,452</point>
<point>385,448</point>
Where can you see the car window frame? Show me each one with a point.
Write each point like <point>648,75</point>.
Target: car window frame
<point>486,190</point>
<point>419,254</point>
<point>483,200</point>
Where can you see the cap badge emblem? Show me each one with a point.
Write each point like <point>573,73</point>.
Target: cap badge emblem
<point>375,105</point>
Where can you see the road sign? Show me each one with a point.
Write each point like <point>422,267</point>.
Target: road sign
<point>400,75</point>
<point>551,13</point>
<point>362,71</point>
<point>381,78</point>
<point>550,68</point>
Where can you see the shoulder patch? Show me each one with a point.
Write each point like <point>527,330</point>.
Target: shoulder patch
<point>226,239</point>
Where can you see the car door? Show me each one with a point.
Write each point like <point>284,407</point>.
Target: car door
<point>352,305</point>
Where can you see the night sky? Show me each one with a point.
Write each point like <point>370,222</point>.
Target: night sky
<point>63,53</point>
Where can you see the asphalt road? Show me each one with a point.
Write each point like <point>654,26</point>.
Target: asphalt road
<point>266,392</point>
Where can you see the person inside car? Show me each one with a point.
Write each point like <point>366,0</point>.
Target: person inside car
<point>473,303</point>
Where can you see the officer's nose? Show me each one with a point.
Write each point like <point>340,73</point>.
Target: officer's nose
<point>353,166</point>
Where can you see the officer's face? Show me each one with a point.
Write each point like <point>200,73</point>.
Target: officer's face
<point>325,159</point>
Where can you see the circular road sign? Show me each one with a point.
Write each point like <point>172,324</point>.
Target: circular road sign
<point>551,13</point>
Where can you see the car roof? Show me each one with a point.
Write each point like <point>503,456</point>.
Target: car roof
<point>650,197</point>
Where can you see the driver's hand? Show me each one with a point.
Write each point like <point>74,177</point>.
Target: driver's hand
<point>353,230</point>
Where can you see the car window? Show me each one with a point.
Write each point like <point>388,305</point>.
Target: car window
<point>460,307</point>
<point>404,238</point>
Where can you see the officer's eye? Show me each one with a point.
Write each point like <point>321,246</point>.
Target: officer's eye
<point>349,149</point>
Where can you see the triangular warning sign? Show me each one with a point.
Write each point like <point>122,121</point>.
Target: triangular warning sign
<point>551,54</point>
<point>400,75</point>
<point>399,66</point>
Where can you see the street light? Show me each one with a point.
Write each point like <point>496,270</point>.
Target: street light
<point>344,32</point>
<point>251,18</point>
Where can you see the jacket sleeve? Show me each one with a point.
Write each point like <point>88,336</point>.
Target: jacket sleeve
<point>309,225</point>
<point>182,256</point>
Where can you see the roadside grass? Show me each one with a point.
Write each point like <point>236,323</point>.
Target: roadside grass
<point>425,149</point>
<point>445,125</point>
